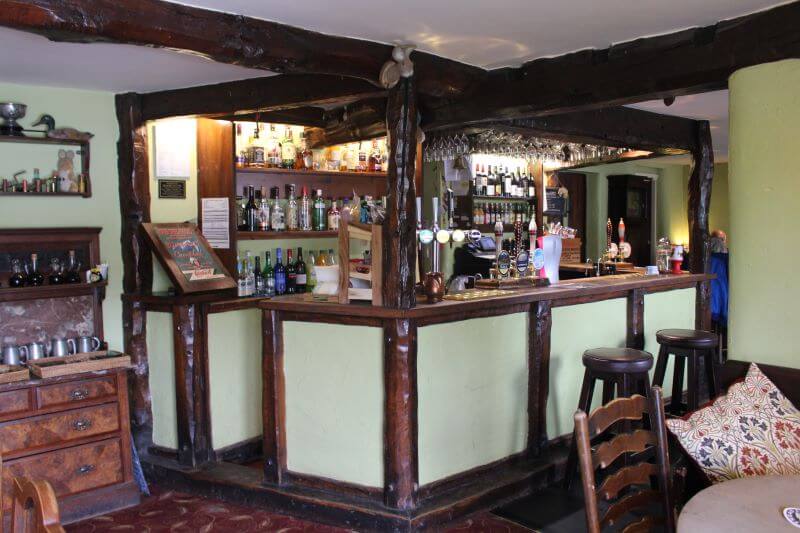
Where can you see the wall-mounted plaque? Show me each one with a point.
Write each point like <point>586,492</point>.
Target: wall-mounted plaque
<point>172,189</point>
<point>188,259</point>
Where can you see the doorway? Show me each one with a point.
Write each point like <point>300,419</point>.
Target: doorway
<point>630,197</point>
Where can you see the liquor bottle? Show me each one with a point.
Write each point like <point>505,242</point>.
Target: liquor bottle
<point>73,268</point>
<point>280,274</point>
<point>291,209</point>
<point>531,187</point>
<point>320,260</point>
<point>241,204</point>
<point>291,273</point>
<point>331,259</point>
<point>241,279</point>
<point>300,268</point>
<point>508,183</point>
<point>263,211</point>
<point>307,156</point>
<point>251,210</point>
<point>288,150</point>
<point>362,158</point>
<point>375,157</point>
<point>277,218</point>
<point>319,212</point>
<point>17,278</point>
<point>260,285</point>
<point>333,216</point>
<point>305,210</point>
<point>269,277</point>
<point>251,279</point>
<point>312,274</point>
<point>487,214</point>
<point>35,276</point>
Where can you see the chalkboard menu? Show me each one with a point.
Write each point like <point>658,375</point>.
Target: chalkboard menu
<point>188,259</point>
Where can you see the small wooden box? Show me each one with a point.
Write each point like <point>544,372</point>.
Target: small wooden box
<point>374,236</point>
<point>11,373</point>
<point>571,250</point>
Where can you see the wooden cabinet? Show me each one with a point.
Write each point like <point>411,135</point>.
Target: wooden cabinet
<point>74,432</point>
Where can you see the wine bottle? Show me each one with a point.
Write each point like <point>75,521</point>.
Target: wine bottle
<point>300,269</point>
<point>291,273</point>
<point>280,274</point>
<point>269,277</point>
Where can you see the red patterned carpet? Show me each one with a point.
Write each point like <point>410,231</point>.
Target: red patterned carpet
<point>175,512</point>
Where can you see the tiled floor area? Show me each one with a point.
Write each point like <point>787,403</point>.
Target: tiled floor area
<point>174,512</point>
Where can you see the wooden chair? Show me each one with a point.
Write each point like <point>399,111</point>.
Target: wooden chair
<point>617,486</point>
<point>34,509</point>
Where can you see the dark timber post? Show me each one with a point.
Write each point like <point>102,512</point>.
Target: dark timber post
<point>699,205</point>
<point>273,397</point>
<point>540,323</point>
<point>399,228</point>
<point>137,261</point>
<point>635,333</point>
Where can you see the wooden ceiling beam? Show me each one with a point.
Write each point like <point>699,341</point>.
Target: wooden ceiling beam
<point>270,93</point>
<point>685,62</point>
<point>364,120</point>
<point>227,38</point>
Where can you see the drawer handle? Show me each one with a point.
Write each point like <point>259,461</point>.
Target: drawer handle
<point>85,469</point>
<point>82,424</point>
<point>79,394</point>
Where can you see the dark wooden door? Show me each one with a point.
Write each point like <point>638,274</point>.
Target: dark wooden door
<point>575,183</point>
<point>630,198</point>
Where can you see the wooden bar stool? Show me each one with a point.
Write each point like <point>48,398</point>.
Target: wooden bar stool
<point>624,368</point>
<point>688,346</point>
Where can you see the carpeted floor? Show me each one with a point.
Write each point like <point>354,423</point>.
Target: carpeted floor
<point>174,512</point>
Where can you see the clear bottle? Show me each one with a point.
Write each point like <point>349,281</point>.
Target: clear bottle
<point>263,211</point>
<point>269,276</point>
<point>320,260</point>
<point>251,279</point>
<point>291,273</point>
<point>319,212</point>
<point>277,217</point>
<point>333,216</point>
<point>241,279</point>
<point>288,149</point>
<point>280,274</point>
<point>305,210</point>
<point>375,157</point>
<point>312,273</point>
<point>330,258</point>
<point>291,209</point>
<point>302,276</point>
<point>73,268</point>
<point>17,278</point>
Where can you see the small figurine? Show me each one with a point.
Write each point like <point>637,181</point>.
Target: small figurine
<point>67,181</point>
<point>67,134</point>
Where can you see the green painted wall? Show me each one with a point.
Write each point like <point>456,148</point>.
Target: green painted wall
<point>160,352</point>
<point>334,401</point>
<point>90,111</point>
<point>719,214</point>
<point>764,224</point>
<point>672,201</point>
<point>472,385</point>
<point>662,310</point>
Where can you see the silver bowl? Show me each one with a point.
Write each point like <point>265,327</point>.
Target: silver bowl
<point>10,112</point>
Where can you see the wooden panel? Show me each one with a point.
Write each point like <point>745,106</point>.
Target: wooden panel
<point>273,398</point>
<point>54,429</point>
<point>75,391</point>
<point>215,177</point>
<point>635,322</point>
<point>71,470</point>
<point>540,323</point>
<point>15,401</point>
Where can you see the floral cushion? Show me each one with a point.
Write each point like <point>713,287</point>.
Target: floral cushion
<point>753,430</point>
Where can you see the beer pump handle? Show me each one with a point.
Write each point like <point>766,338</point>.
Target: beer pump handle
<point>419,213</point>
<point>435,202</point>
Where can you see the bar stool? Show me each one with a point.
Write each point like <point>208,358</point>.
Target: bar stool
<point>687,345</point>
<point>624,368</point>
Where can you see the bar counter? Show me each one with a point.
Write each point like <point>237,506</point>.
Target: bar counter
<point>405,417</point>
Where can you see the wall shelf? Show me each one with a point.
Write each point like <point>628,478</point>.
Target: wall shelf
<point>16,294</point>
<point>272,235</point>
<point>40,140</point>
<point>293,172</point>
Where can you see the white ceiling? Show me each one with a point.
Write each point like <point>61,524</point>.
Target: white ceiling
<point>493,33</point>
<point>31,59</point>
<point>711,106</point>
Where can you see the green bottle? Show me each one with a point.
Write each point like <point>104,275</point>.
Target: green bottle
<point>312,274</point>
<point>269,277</point>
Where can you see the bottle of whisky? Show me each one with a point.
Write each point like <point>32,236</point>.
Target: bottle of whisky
<point>35,276</point>
<point>269,277</point>
<point>300,269</point>
<point>291,273</point>
<point>280,274</point>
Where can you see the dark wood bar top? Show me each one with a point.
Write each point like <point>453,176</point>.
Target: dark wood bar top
<point>568,292</point>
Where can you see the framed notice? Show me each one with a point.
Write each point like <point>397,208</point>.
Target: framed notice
<point>187,257</point>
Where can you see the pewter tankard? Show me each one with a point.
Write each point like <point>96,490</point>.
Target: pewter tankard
<point>33,351</point>
<point>11,355</point>
<point>87,344</point>
<point>60,347</point>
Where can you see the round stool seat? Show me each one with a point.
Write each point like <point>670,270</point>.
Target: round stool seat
<point>617,360</point>
<point>687,338</point>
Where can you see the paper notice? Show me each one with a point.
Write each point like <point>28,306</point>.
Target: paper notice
<point>215,221</point>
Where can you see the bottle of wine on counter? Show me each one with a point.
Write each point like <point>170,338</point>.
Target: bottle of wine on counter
<point>300,269</point>
<point>280,274</point>
<point>269,277</point>
<point>291,273</point>
<point>260,286</point>
<point>35,276</point>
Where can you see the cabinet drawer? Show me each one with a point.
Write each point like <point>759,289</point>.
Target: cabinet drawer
<point>76,391</point>
<point>70,470</point>
<point>15,401</point>
<point>54,429</point>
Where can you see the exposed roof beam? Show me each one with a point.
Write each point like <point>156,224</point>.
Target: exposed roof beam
<point>364,120</point>
<point>257,94</point>
<point>226,38</point>
<point>690,61</point>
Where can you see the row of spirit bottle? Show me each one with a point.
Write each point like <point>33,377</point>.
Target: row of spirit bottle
<point>505,212</point>
<point>500,181</point>
<point>259,213</point>
<point>293,277</point>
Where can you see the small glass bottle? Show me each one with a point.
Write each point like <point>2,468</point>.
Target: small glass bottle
<point>73,268</point>
<point>56,276</point>
<point>305,210</point>
<point>263,211</point>
<point>269,277</point>
<point>17,278</point>
<point>291,209</point>
<point>35,276</point>
<point>277,217</point>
